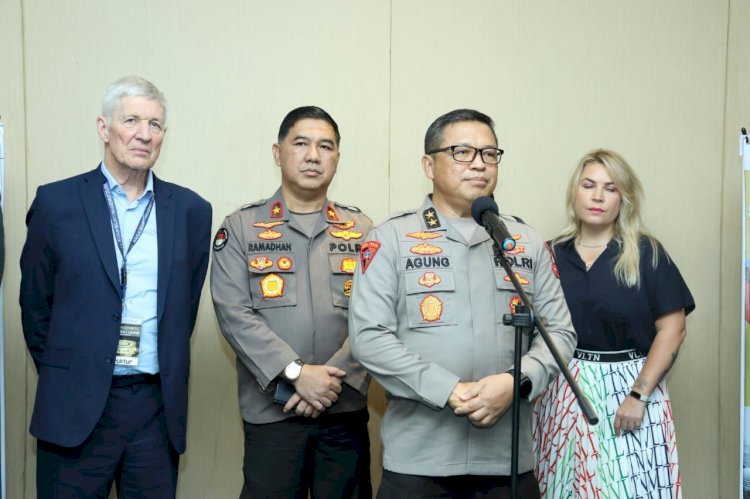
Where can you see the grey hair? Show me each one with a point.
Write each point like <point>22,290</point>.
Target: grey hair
<point>131,86</point>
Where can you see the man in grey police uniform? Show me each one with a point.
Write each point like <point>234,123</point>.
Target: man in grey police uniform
<point>281,278</point>
<point>425,320</point>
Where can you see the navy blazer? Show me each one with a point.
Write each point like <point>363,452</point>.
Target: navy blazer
<point>71,305</point>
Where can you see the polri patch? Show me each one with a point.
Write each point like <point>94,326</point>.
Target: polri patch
<point>220,239</point>
<point>367,253</point>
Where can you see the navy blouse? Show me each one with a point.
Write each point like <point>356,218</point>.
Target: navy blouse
<point>609,316</point>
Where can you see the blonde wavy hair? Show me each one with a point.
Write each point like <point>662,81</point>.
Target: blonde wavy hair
<point>629,228</point>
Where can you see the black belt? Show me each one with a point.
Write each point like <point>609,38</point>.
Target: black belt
<point>624,355</point>
<point>134,379</point>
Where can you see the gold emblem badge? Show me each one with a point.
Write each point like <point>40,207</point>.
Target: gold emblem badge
<point>429,279</point>
<point>517,250</point>
<point>346,234</point>
<point>423,235</point>
<point>348,288</point>
<point>426,249</point>
<point>272,286</point>
<point>260,262</point>
<point>269,234</point>
<point>348,265</point>
<point>518,276</point>
<point>284,263</point>
<point>345,225</point>
<point>267,225</point>
<point>431,308</point>
<point>514,303</point>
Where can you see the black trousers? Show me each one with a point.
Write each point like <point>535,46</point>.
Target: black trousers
<point>400,486</point>
<point>327,457</point>
<point>128,446</point>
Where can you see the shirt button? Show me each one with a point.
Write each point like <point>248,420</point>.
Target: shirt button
<point>115,317</point>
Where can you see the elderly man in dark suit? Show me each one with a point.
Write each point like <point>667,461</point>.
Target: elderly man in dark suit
<point>111,277</point>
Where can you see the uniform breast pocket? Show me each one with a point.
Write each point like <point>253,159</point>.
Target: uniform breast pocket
<point>430,298</point>
<point>272,281</point>
<point>508,297</point>
<point>342,270</point>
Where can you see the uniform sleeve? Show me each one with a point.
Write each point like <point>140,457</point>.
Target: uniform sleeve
<point>548,300</point>
<point>667,290</point>
<point>373,327</point>
<point>258,347</point>
<point>37,281</point>
<point>356,375</point>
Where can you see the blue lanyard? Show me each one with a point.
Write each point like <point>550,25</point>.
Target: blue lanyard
<point>118,233</point>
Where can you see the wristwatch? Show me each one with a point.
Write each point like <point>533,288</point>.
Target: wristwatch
<point>293,370</point>
<point>638,396</point>
<point>525,386</point>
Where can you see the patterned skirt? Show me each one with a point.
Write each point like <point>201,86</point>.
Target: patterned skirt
<point>574,459</point>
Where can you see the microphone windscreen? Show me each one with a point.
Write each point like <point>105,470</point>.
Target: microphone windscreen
<point>482,204</point>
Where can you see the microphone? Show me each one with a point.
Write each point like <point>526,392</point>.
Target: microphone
<point>484,211</point>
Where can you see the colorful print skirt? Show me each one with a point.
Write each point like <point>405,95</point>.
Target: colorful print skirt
<point>574,459</point>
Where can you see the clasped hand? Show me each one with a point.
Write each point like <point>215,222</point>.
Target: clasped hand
<point>317,388</point>
<point>484,401</point>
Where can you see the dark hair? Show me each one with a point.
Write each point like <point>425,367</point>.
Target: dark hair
<point>434,134</point>
<point>306,112</point>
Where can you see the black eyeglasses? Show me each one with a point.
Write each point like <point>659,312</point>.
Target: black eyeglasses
<point>466,154</point>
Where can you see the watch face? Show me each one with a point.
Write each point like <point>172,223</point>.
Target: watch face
<point>293,370</point>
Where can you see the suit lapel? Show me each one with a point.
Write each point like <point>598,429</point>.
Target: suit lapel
<point>97,214</point>
<point>165,227</point>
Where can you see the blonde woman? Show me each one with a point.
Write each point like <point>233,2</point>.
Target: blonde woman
<point>628,303</point>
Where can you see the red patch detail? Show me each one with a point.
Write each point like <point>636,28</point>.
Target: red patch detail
<point>552,259</point>
<point>367,253</point>
<point>277,210</point>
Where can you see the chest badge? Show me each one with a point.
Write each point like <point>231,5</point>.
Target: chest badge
<point>284,263</point>
<point>429,279</point>
<point>345,225</point>
<point>267,225</point>
<point>348,288</point>
<point>348,265</point>
<point>431,308</point>
<point>272,286</point>
<point>520,278</point>
<point>345,234</point>
<point>270,235</point>
<point>426,249</point>
<point>423,235</point>
<point>260,263</point>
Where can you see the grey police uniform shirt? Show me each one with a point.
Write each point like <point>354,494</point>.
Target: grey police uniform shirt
<point>280,295</point>
<point>426,312</point>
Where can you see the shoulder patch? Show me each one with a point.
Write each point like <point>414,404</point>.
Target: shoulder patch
<point>400,214</point>
<point>347,207</point>
<point>254,204</point>
<point>220,239</point>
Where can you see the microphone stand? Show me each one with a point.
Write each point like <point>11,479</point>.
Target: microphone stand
<point>527,318</point>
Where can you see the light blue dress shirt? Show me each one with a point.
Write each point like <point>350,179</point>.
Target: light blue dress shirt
<point>143,269</point>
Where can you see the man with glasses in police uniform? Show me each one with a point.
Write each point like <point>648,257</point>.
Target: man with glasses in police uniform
<point>280,279</point>
<point>425,320</point>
